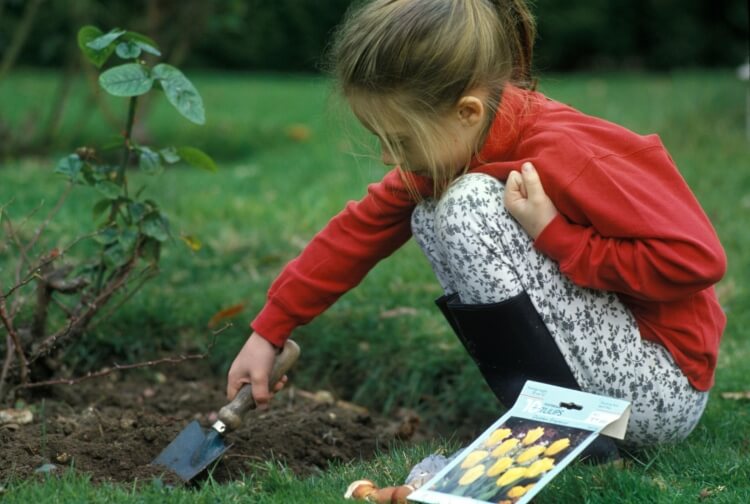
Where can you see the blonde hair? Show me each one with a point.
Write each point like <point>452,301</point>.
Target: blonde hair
<point>418,57</point>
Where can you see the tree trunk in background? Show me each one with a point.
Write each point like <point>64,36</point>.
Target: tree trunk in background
<point>19,36</point>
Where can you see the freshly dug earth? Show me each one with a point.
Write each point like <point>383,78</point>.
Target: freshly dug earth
<point>111,428</point>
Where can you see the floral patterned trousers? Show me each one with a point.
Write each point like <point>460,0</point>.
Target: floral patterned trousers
<point>479,251</point>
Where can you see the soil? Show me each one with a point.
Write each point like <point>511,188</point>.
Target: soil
<point>111,428</point>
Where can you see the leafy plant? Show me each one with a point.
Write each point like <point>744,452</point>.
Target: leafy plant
<point>131,229</point>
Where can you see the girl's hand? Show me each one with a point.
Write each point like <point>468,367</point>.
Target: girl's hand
<point>527,202</point>
<point>253,365</point>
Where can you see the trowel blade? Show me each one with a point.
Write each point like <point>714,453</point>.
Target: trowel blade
<point>191,451</point>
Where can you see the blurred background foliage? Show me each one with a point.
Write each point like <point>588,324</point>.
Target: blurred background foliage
<point>287,168</point>
<point>290,35</point>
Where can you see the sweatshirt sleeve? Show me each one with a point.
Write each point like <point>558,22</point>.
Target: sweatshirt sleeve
<point>338,257</point>
<point>631,225</point>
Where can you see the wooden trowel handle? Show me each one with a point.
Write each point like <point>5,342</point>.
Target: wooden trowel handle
<point>232,413</point>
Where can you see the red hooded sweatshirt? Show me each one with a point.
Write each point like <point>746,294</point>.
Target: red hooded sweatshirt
<point>627,223</point>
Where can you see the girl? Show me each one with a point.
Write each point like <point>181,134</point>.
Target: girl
<point>570,249</point>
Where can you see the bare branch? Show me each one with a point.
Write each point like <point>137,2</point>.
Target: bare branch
<point>146,274</point>
<point>33,275</point>
<point>67,286</point>
<point>106,371</point>
<point>24,249</point>
<point>50,216</point>
<point>8,323</point>
<point>118,367</point>
<point>17,241</point>
<point>78,324</point>
<point>6,363</point>
<point>54,255</point>
<point>67,309</point>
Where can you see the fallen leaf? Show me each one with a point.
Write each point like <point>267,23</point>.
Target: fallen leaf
<point>360,410</point>
<point>398,312</point>
<point>226,313</point>
<point>192,242</point>
<point>62,458</point>
<point>16,416</point>
<point>708,492</point>
<point>736,396</point>
<point>659,482</point>
<point>298,132</point>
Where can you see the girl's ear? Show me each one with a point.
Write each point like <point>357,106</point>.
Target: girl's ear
<point>470,110</point>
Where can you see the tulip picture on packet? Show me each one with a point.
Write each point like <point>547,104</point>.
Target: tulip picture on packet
<point>523,450</point>
<point>515,456</point>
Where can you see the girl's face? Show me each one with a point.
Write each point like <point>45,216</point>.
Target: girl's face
<point>444,143</point>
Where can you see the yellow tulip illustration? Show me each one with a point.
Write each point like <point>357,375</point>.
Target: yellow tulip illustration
<point>500,466</point>
<point>497,436</point>
<point>471,475</point>
<point>516,491</point>
<point>511,475</point>
<point>533,435</point>
<point>539,467</point>
<point>519,491</point>
<point>557,446</point>
<point>530,454</point>
<point>505,447</point>
<point>473,458</point>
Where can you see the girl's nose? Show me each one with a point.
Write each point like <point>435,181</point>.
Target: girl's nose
<point>387,158</point>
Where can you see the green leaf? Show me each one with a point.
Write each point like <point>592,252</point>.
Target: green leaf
<point>70,165</point>
<point>111,142</point>
<point>148,48</point>
<point>128,50</point>
<point>145,43</point>
<point>105,40</point>
<point>106,236</point>
<point>88,176</point>
<point>130,79</point>
<point>156,225</point>
<point>128,238</point>
<point>137,211</point>
<point>151,250</point>
<point>102,206</point>
<point>180,92</point>
<point>108,189</point>
<point>98,57</point>
<point>115,254</point>
<point>169,155</point>
<point>149,161</point>
<point>197,158</point>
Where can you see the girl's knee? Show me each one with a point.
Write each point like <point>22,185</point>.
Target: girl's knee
<point>474,197</point>
<point>475,185</point>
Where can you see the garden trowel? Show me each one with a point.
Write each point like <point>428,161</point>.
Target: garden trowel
<point>195,448</point>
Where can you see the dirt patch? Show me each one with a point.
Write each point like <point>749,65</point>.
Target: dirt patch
<point>113,427</point>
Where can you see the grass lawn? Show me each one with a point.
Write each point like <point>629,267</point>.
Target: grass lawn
<point>275,189</point>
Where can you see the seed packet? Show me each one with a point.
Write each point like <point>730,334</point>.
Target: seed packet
<point>516,456</point>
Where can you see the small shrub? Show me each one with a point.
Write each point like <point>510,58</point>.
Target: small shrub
<point>122,252</point>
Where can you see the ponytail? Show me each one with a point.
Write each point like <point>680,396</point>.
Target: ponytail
<point>516,16</point>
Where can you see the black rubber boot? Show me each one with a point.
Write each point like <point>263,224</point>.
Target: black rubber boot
<point>511,344</point>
